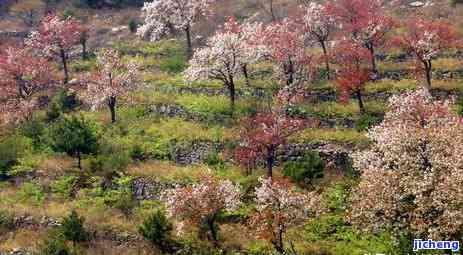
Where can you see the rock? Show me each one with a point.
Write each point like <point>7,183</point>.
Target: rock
<point>416,4</point>
<point>119,29</point>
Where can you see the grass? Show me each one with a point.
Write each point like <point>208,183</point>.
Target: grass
<point>332,109</point>
<point>341,136</point>
<point>447,64</point>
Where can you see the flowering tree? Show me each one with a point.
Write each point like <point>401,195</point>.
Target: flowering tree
<point>55,37</point>
<point>365,20</point>
<point>201,203</point>
<point>22,77</point>
<point>286,46</point>
<point>425,40</point>
<point>279,206</point>
<point>111,79</point>
<point>319,25</point>
<point>352,74</point>
<point>263,134</point>
<point>225,56</point>
<point>413,173</point>
<point>163,16</point>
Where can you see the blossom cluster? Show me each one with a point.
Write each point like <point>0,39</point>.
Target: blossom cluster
<point>197,202</point>
<point>412,176</point>
<point>163,15</point>
<point>112,78</point>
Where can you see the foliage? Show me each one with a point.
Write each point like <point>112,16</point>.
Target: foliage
<point>72,228</point>
<point>412,171</point>
<point>65,186</point>
<point>304,169</point>
<point>366,121</point>
<point>6,221</point>
<point>133,25</point>
<point>63,102</point>
<point>12,148</point>
<point>157,230</point>
<point>74,136</point>
<point>31,192</point>
<point>54,245</point>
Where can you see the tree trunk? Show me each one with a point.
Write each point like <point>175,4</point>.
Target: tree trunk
<point>427,70</point>
<point>373,60</point>
<point>79,161</point>
<point>112,108</point>
<point>189,46</point>
<point>244,67</point>
<point>211,225</point>
<point>84,49</point>
<point>327,62</point>
<point>270,161</point>
<point>231,89</point>
<point>65,65</point>
<point>358,94</point>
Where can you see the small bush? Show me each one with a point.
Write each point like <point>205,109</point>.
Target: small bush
<point>304,169</point>
<point>65,186</point>
<point>173,64</point>
<point>335,197</point>
<point>157,230</point>
<point>214,160</point>
<point>133,25</point>
<point>62,102</point>
<point>366,121</point>
<point>72,228</point>
<point>6,221</point>
<point>54,245</point>
<point>74,136</point>
<point>12,148</point>
<point>31,192</point>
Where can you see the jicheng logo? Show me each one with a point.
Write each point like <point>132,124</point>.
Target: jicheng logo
<point>429,244</point>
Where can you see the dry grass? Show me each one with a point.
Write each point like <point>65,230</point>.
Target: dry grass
<point>22,238</point>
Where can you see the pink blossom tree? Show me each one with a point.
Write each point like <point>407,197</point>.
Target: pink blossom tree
<point>319,25</point>
<point>411,177</point>
<point>164,16</point>
<point>55,37</point>
<point>22,78</point>
<point>112,79</point>
<point>200,204</point>
<point>225,57</point>
<point>366,21</point>
<point>278,207</point>
<point>286,46</point>
<point>425,40</point>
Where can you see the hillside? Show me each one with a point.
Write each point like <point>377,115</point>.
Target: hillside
<point>260,138</point>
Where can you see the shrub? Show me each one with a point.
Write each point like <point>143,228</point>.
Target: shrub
<point>133,24</point>
<point>173,64</point>
<point>74,136</point>
<point>335,197</point>
<point>54,245</point>
<point>121,197</point>
<point>35,130</point>
<point>304,169</point>
<point>72,228</point>
<point>12,148</point>
<point>214,160</point>
<point>157,230</point>
<point>6,221</point>
<point>366,120</point>
<point>31,192</point>
<point>65,186</point>
<point>62,102</point>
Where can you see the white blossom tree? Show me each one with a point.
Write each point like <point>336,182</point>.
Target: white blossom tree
<point>164,16</point>
<point>278,207</point>
<point>111,79</point>
<point>201,203</point>
<point>319,25</point>
<point>412,177</point>
<point>225,56</point>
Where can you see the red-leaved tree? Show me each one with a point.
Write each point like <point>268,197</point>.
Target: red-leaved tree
<point>365,21</point>
<point>262,134</point>
<point>22,78</point>
<point>55,37</point>
<point>425,40</point>
<point>286,46</point>
<point>352,74</point>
